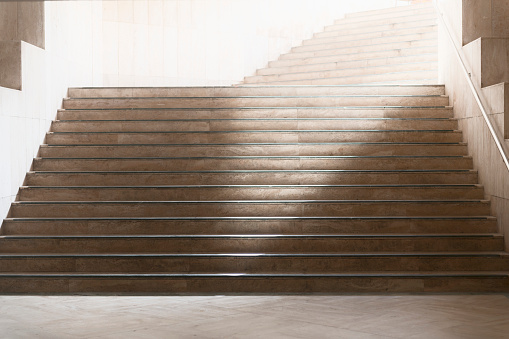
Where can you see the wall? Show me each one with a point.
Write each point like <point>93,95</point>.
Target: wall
<point>493,174</point>
<point>72,37</point>
<point>208,42</point>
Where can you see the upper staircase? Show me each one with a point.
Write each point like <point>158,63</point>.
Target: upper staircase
<point>261,188</point>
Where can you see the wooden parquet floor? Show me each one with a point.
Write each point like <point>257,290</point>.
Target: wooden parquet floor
<point>388,316</point>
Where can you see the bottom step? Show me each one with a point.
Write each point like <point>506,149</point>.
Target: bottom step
<point>420,282</point>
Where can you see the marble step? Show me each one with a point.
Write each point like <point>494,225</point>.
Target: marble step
<point>348,66</point>
<point>402,24</point>
<point>415,77</point>
<point>251,177</point>
<point>247,124</point>
<point>252,163</point>
<point>84,138</point>
<point>341,57</point>
<point>245,192</point>
<point>425,27</point>
<point>348,72</point>
<point>243,225</point>
<point>397,11</point>
<point>249,208</point>
<point>250,244</point>
<point>255,263</point>
<point>371,48</point>
<point>401,36</point>
<point>262,149</point>
<point>238,282</point>
<point>352,24</point>
<point>260,101</point>
<point>252,113</point>
<point>242,91</point>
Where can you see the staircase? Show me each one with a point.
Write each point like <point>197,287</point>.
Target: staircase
<point>262,188</point>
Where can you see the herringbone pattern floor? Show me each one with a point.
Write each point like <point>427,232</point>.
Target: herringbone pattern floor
<point>389,316</point>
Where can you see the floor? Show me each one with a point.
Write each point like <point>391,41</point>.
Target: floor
<point>388,316</point>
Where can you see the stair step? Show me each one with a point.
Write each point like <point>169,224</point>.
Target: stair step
<point>251,113</point>
<point>253,163</point>
<point>252,101</point>
<point>275,124</point>
<point>251,177</point>
<point>348,65</point>
<point>250,208</point>
<point>250,244</point>
<point>242,91</point>
<point>319,45</point>
<point>341,58</point>
<point>244,192</point>
<point>410,10</point>
<point>346,282</point>
<point>317,136</point>
<point>256,263</point>
<point>243,225</point>
<point>345,72</point>
<point>351,24</point>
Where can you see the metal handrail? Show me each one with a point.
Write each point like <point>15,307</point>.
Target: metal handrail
<point>479,97</point>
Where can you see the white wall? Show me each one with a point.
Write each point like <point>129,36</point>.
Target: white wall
<point>72,37</point>
<point>208,42</point>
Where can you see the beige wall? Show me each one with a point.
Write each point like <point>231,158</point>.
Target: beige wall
<point>23,20</point>
<point>207,42</point>
<point>485,18</point>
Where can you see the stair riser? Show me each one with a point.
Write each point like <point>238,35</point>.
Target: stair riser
<point>350,72</point>
<point>255,265</point>
<point>360,49</point>
<point>246,164</point>
<point>346,27</point>
<point>417,77</point>
<point>251,150</point>
<point>339,58</point>
<point>162,114</point>
<point>245,226</point>
<point>66,285</point>
<point>245,245</point>
<point>396,13</point>
<point>331,101</point>
<point>267,178</point>
<point>362,42</point>
<point>129,92</point>
<point>252,125</point>
<point>224,193</point>
<point>331,66</point>
<point>423,28</point>
<point>248,209</point>
<point>249,137</point>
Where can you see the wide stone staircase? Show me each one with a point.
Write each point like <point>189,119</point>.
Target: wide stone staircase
<point>257,189</point>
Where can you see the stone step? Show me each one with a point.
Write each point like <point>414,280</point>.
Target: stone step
<point>414,77</point>
<point>253,163</point>
<point>244,192</point>
<point>247,124</point>
<point>252,113</point>
<point>402,24</point>
<point>319,45</point>
<point>251,177</point>
<point>431,47</point>
<point>403,44</point>
<point>262,149</point>
<point>348,66</point>
<point>239,225</point>
<point>352,24</point>
<point>261,101</point>
<point>237,282</point>
<point>242,91</point>
<point>254,263</point>
<point>84,138</point>
<point>348,72</point>
<point>410,10</point>
<point>425,27</point>
<point>250,208</point>
<point>249,244</point>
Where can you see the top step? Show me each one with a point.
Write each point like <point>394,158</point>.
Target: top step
<point>394,11</point>
<point>151,92</point>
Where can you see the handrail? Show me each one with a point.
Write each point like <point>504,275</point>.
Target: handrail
<point>479,97</point>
